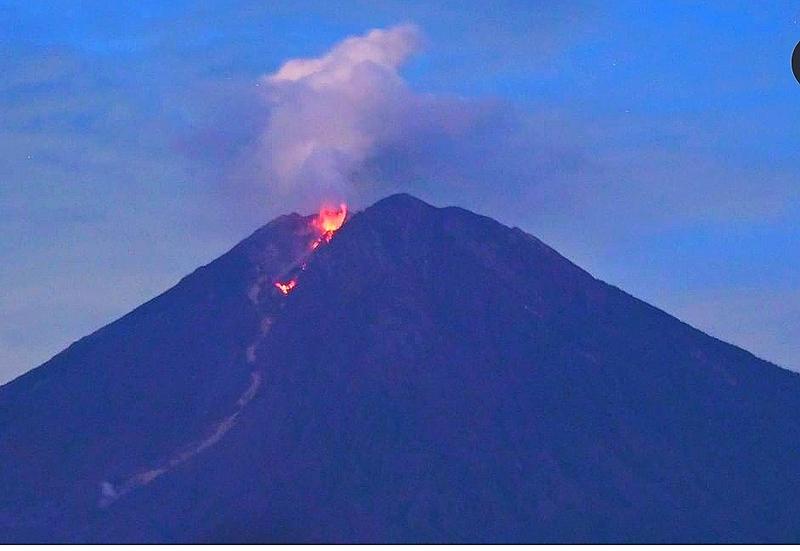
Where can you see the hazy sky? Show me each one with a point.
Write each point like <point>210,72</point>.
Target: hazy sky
<point>653,144</point>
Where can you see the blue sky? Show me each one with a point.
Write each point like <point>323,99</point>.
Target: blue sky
<point>655,144</point>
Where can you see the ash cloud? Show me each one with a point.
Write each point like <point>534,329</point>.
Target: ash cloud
<point>346,125</point>
<point>328,115</point>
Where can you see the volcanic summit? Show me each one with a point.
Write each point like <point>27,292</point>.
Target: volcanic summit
<point>413,374</point>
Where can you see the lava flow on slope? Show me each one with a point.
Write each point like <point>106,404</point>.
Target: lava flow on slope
<point>287,286</point>
<point>326,223</point>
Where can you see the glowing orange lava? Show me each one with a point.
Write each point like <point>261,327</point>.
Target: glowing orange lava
<point>287,287</point>
<point>327,222</point>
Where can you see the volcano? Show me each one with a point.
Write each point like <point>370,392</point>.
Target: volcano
<point>431,376</point>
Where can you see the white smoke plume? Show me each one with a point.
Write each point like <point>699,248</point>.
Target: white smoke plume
<point>329,115</point>
<point>346,126</point>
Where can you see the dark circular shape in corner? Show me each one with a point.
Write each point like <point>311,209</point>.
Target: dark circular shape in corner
<point>796,62</point>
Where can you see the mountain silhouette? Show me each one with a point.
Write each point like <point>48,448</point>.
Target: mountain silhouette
<point>434,376</point>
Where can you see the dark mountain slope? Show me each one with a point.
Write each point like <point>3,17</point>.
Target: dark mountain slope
<point>128,395</point>
<point>435,376</point>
